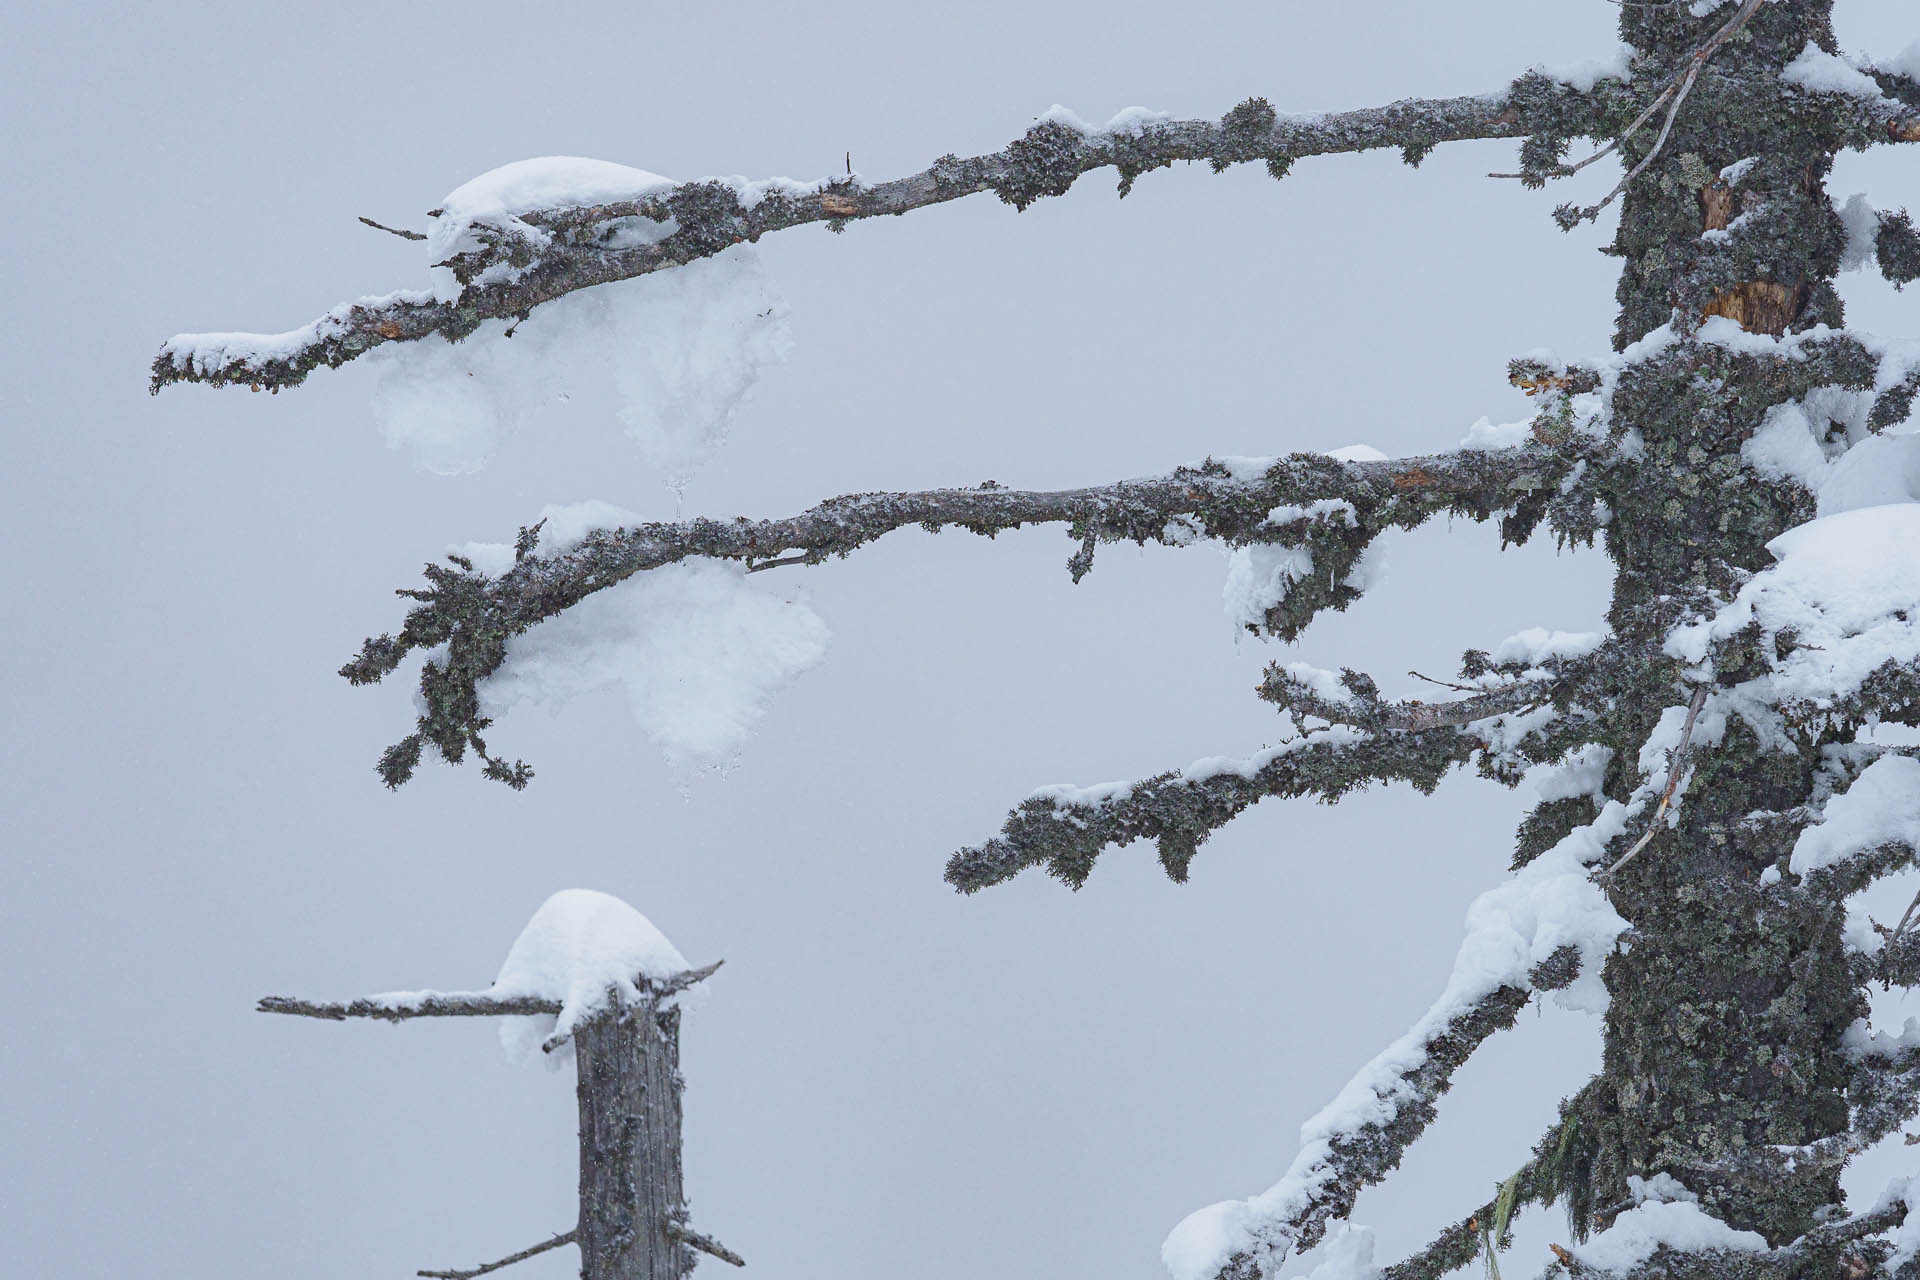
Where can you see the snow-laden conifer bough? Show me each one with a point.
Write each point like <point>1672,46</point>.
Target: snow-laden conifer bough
<point>1719,774</point>
<point>589,976</point>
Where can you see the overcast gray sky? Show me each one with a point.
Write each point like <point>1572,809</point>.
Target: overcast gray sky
<point>887,1078</point>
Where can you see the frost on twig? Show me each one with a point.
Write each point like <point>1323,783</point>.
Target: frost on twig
<point>464,618</point>
<point>518,263</point>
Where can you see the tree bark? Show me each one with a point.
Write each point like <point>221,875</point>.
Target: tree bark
<point>631,1194</point>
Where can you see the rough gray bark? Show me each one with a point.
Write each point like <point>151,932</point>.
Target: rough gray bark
<point>474,614</point>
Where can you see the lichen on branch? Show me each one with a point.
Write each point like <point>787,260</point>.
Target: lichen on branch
<point>576,247</point>
<point>464,618</point>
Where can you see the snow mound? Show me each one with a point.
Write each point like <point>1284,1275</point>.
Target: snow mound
<point>1847,587</point>
<point>497,198</point>
<point>587,950</point>
<point>699,649</point>
<point>1881,807</point>
<point>1636,1234</point>
<point>676,353</point>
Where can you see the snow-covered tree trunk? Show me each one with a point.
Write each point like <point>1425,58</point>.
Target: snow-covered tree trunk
<point>632,1208</point>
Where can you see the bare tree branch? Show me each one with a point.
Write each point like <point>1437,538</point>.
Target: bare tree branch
<point>401,1005</point>
<point>1363,709</point>
<point>710,215</point>
<point>565,1237</point>
<point>474,613</point>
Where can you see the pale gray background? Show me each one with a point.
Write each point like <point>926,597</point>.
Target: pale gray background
<point>888,1079</point>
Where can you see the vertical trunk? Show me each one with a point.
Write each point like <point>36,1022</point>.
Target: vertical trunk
<point>630,1185</point>
<point>1729,1003</point>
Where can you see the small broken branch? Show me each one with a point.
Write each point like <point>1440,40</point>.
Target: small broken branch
<point>1676,769</point>
<point>404,235</point>
<point>710,215</point>
<point>706,1244</point>
<point>565,1237</point>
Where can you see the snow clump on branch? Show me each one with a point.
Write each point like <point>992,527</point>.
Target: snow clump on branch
<point>699,649</point>
<point>676,352</point>
<point>584,949</point>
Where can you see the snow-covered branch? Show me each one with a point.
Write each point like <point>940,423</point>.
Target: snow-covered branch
<point>1245,502</point>
<point>1065,828</point>
<point>1557,1168</point>
<point>517,259</point>
<point>1354,699</point>
<point>398,1006</point>
<point>1357,1140</point>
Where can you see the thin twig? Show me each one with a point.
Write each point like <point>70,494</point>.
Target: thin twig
<point>801,558</point>
<point>1694,64</point>
<point>1446,684</point>
<point>404,235</point>
<point>565,1237</point>
<point>1676,769</point>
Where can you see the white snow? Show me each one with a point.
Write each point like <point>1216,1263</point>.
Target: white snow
<point>561,529</point>
<point>1258,578</point>
<point>497,198</point>
<point>1881,807</point>
<point>1904,63</point>
<point>1356,453</point>
<point>1739,169</point>
<point>584,949</point>
<point>1862,221</point>
<point>1582,773</point>
<point>1847,586</point>
<point>677,351</point>
<point>210,352</point>
<point>1537,645</point>
<point>1682,1225</point>
<point>1346,1254</point>
<point>1583,75</point>
<point>1822,72</point>
<point>698,648</point>
<point>1330,510</point>
<point>1131,122</point>
<point>1486,436</point>
<point>1880,469</point>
